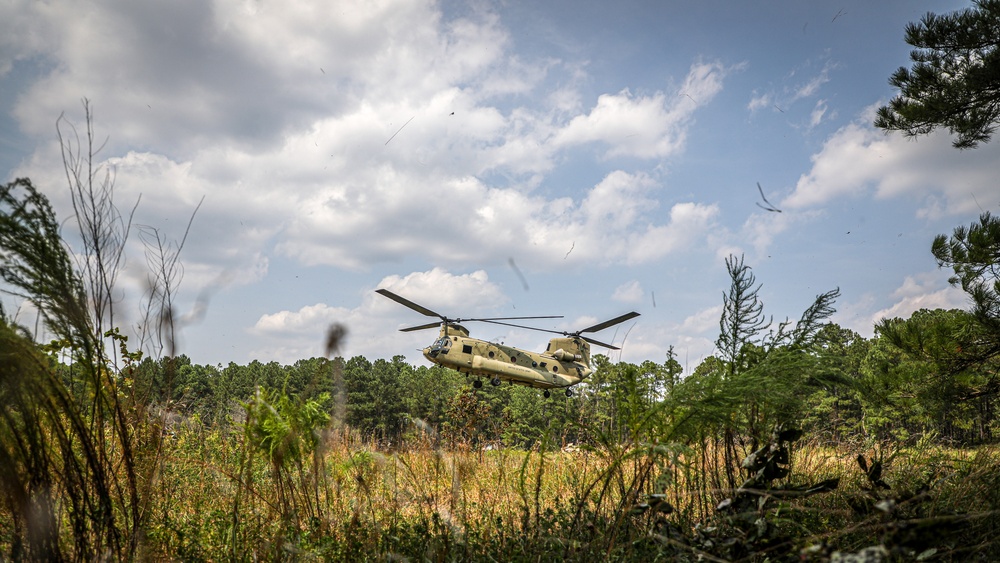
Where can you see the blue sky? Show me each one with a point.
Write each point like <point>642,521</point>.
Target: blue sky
<point>487,158</point>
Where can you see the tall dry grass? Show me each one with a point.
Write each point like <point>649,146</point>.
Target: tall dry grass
<point>423,503</point>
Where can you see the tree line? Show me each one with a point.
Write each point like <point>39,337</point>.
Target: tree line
<point>909,380</point>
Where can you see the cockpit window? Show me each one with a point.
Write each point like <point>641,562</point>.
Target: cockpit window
<point>441,345</point>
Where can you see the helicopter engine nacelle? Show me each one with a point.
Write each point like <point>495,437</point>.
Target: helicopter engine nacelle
<point>569,350</point>
<point>564,356</point>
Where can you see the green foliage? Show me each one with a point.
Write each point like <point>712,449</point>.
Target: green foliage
<point>35,263</point>
<point>474,418</point>
<point>284,428</point>
<point>374,403</point>
<point>973,253</point>
<point>955,78</point>
<point>77,429</point>
<point>941,367</point>
<point>833,410</point>
<point>920,370</point>
<point>531,419</point>
<point>31,455</point>
<point>760,380</point>
<point>742,316</point>
<point>427,391</point>
<point>748,516</point>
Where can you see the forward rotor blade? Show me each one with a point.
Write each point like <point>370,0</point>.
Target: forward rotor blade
<point>406,302</point>
<point>612,322</point>
<point>421,327</point>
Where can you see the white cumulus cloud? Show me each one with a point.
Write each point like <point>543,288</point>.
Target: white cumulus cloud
<point>860,159</point>
<point>629,292</point>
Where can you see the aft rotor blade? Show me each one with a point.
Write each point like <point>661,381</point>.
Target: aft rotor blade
<point>406,302</point>
<point>612,322</point>
<point>599,343</point>
<point>587,338</point>
<point>421,327</point>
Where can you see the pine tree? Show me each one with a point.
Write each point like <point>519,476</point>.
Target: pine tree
<point>742,316</point>
<point>973,253</point>
<point>955,78</point>
<point>765,372</point>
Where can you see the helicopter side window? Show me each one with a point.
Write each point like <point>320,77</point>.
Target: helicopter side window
<point>467,349</point>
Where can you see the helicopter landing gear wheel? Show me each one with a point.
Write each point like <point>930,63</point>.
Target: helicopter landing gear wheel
<point>477,383</point>
<point>569,392</point>
<point>547,394</point>
<point>495,382</point>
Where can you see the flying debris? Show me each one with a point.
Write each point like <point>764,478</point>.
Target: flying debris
<point>335,336</point>
<point>517,271</point>
<point>571,247</point>
<point>769,206</point>
<point>397,130</point>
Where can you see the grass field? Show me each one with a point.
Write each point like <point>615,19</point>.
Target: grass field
<point>213,501</point>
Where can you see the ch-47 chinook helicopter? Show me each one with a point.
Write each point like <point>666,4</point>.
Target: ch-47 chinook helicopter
<point>564,363</point>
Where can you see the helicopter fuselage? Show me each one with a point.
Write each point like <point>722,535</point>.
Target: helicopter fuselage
<point>564,363</point>
<point>555,368</point>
